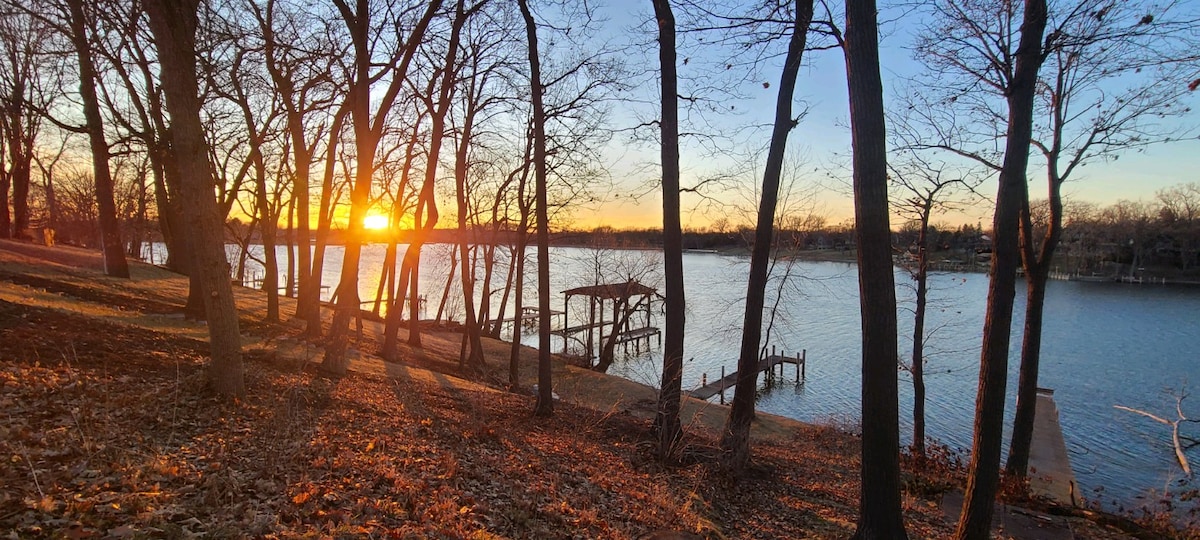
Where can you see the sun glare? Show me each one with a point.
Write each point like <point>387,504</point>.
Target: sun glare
<point>375,222</point>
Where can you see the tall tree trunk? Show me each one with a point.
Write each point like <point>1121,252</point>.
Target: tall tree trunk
<point>983,472</point>
<point>520,250</point>
<point>425,217</point>
<point>471,326</point>
<point>1036,264</point>
<point>308,290</point>
<point>169,195</point>
<point>169,220</point>
<point>735,442</point>
<point>366,144</point>
<point>310,312</point>
<point>367,133</point>
<point>269,222</point>
<point>395,312</point>
<point>918,336</point>
<point>521,175</point>
<point>52,199</point>
<point>670,394</point>
<point>879,495</point>
<point>5,216</point>
<point>385,290</point>
<point>493,331</point>
<point>21,172</point>
<point>173,24</point>
<point>441,310</point>
<point>545,397</point>
<point>137,237</point>
<point>1017,465</point>
<point>267,218</point>
<point>290,246</point>
<point>514,353</point>
<point>308,294</point>
<point>114,253</point>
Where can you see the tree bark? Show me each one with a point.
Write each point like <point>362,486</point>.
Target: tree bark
<point>670,394</point>
<point>545,397</point>
<point>367,133</point>
<point>21,172</point>
<point>520,250</point>
<point>879,496</point>
<point>366,145</point>
<point>5,216</point>
<point>983,478</point>
<point>173,24</point>
<point>1017,465</point>
<point>110,231</point>
<point>918,339</point>
<point>1036,263</point>
<point>735,442</point>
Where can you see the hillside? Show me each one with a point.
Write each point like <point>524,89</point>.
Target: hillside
<point>109,432</point>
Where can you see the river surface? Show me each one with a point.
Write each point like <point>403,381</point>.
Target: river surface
<point>1104,344</point>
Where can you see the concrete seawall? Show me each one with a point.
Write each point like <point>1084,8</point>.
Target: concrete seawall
<point>1050,473</point>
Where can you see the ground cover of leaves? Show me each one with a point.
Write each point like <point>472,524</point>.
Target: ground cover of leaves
<point>109,431</point>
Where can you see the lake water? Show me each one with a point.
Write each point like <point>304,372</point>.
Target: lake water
<point>1105,344</point>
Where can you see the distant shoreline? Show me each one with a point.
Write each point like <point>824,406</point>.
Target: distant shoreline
<point>1117,274</point>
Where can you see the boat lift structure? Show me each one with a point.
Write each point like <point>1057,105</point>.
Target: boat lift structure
<point>619,312</point>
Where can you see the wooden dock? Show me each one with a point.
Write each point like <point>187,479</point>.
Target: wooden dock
<point>528,316</point>
<point>768,365</point>
<point>646,332</point>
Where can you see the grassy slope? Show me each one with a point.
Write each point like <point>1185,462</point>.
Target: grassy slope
<point>109,431</point>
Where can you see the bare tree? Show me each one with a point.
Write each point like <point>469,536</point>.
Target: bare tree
<point>1180,214</point>
<point>879,512</point>
<point>173,24</point>
<point>110,232</point>
<point>923,186</point>
<point>545,396</point>
<point>302,83</point>
<point>367,133</point>
<point>1021,85</point>
<point>25,96</point>
<point>1082,118</point>
<point>667,420</point>
<point>425,216</point>
<point>480,97</point>
<point>258,124</point>
<point>735,441</point>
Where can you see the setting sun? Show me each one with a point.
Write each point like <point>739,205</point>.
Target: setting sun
<point>375,222</point>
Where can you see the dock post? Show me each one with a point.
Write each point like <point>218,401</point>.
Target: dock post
<point>803,363</point>
<point>703,379</point>
<point>722,385</point>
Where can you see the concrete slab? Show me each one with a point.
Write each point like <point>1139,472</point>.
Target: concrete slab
<point>1013,522</point>
<point>1050,473</point>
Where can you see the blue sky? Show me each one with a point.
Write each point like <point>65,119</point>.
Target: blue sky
<point>822,136</point>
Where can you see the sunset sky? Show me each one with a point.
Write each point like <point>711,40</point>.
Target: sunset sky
<point>821,142</point>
